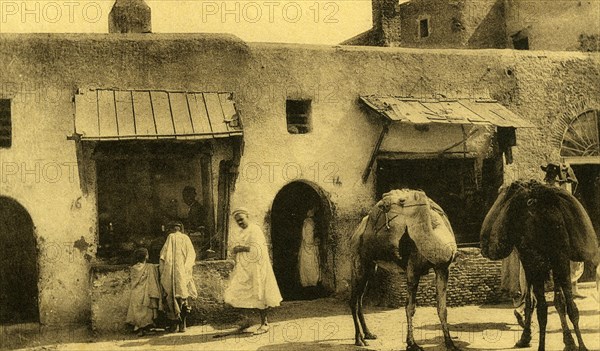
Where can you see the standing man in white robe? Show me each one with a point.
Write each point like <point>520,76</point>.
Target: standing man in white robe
<point>177,259</point>
<point>253,284</point>
<point>308,257</point>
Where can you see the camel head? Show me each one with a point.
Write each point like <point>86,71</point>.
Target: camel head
<point>408,206</point>
<point>413,212</point>
<point>403,201</point>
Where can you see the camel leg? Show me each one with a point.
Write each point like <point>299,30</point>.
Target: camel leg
<point>412,280</point>
<point>441,284</point>
<point>542,311</point>
<point>560,304</point>
<point>368,274</point>
<point>573,313</point>
<point>358,284</point>
<point>525,340</point>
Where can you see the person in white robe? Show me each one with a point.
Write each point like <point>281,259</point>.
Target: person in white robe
<point>252,284</point>
<point>513,281</point>
<point>308,257</point>
<point>177,259</point>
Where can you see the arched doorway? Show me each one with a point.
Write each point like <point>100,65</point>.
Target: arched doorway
<point>580,148</point>
<point>288,213</point>
<point>18,269</point>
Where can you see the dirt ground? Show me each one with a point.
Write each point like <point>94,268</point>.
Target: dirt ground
<point>326,324</point>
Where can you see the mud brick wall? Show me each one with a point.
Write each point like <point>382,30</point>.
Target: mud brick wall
<point>211,278</point>
<point>42,72</point>
<point>109,289</point>
<point>474,280</point>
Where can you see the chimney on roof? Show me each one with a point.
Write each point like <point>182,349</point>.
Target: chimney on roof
<point>130,16</point>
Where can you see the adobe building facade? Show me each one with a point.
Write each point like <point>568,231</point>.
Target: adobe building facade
<point>50,181</point>
<point>554,25</point>
<point>466,24</point>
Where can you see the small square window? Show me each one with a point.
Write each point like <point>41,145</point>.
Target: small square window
<point>424,28</point>
<point>5,123</point>
<point>298,116</point>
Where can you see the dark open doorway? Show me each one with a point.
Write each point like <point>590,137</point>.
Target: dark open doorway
<point>18,270</point>
<point>288,213</point>
<point>588,192</point>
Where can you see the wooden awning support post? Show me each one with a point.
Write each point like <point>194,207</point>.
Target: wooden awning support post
<point>367,171</point>
<point>81,157</point>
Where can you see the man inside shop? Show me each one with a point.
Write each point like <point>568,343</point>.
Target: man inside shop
<point>195,223</point>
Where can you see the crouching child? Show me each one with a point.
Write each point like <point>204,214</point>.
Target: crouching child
<point>145,298</point>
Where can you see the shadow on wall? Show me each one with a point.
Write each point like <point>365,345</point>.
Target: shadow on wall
<point>491,31</point>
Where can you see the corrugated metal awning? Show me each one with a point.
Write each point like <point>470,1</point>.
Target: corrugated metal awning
<point>459,111</point>
<point>109,114</point>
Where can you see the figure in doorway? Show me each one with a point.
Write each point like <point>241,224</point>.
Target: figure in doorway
<point>253,284</point>
<point>308,257</point>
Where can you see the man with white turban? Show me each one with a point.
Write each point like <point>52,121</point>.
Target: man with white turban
<point>253,284</point>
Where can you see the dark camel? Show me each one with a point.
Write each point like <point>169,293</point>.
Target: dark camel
<point>408,229</point>
<point>548,226</point>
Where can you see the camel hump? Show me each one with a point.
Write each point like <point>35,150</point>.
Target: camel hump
<point>441,247</point>
<point>582,236</point>
<point>496,237</point>
<point>434,240</point>
<point>440,211</point>
<point>434,206</point>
